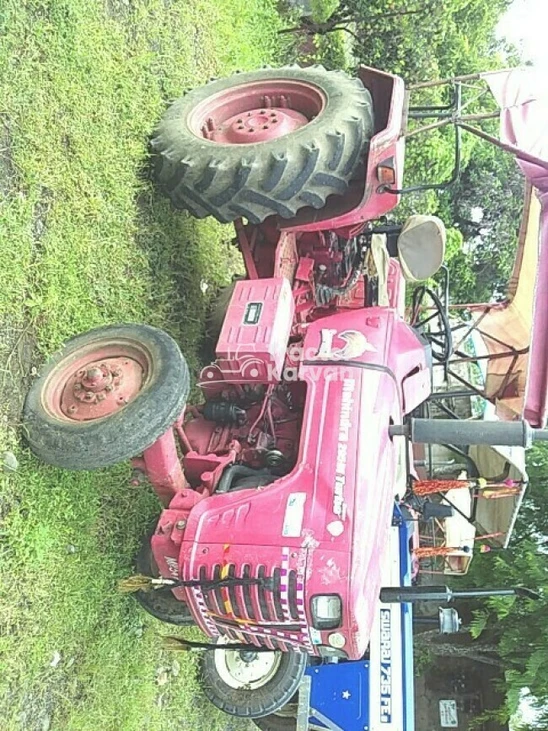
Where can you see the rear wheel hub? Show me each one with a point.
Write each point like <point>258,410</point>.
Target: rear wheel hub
<point>257,125</point>
<point>257,112</point>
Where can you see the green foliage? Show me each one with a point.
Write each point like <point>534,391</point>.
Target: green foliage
<point>422,658</point>
<point>420,38</point>
<point>321,10</point>
<point>518,626</point>
<point>86,240</point>
<point>499,716</point>
<point>331,51</point>
<point>532,521</point>
<point>478,623</point>
<point>539,724</point>
<point>486,206</point>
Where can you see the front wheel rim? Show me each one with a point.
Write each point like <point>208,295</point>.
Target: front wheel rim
<point>97,380</point>
<point>246,670</point>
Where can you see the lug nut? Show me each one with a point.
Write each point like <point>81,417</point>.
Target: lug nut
<point>109,387</point>
<point>101,397</point>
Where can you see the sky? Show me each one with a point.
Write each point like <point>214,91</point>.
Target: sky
<point>525,25</point>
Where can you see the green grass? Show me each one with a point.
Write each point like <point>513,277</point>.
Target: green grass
<point>85,240</point>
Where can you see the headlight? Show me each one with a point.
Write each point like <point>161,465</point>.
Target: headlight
<point>326,611</point>
<point>337,640</point>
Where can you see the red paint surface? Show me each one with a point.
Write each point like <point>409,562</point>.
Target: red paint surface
<point>257,111</point>
<point>100,379</point>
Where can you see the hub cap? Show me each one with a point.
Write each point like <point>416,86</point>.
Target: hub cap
<point>258,125</point>
<point>96,381</point>
<point>245,669</point>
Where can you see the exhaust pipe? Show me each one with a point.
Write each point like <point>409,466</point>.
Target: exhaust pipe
<point>453,431</point>
<point>415,594</point>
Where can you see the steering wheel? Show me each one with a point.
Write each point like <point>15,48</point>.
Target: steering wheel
<point>434,325</point>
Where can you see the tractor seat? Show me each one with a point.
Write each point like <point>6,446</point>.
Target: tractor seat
<point>421,247</point>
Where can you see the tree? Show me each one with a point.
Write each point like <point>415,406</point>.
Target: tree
<point>517,626</point>
<point>532,520</point>
<point>346,15</point>
<point>486,206</point>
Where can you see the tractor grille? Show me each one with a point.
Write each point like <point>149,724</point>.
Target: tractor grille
<point>273,643</point>
<point>274,600</point>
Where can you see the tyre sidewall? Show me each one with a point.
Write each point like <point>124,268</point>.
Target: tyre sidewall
<point>123,434</point>
<point>180,110</point>
<point>165,607</point>
<point>258,702</point>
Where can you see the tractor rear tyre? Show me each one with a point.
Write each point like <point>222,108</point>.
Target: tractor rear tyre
<point>106,396</point>
<point>263,143</point>
<point>160,603</point>
<point>251,684</point>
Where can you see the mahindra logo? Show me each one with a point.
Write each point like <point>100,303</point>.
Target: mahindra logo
<point>355,345</point>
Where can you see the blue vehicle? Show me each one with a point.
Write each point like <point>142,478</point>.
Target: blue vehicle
<point>372,694</point>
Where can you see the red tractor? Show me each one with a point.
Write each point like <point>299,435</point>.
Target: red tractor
<point>278,489</point>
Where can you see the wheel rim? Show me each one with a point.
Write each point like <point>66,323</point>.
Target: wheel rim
<point>257,111</point>
<point>246,669</point>
<point>97,380</point>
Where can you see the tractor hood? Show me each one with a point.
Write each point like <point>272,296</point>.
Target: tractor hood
<point>325,524</point>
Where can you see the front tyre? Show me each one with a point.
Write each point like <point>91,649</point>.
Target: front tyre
<point>251,684</point>
<point>106,396</point>
<point>285,719</point>
<point>160,603</point>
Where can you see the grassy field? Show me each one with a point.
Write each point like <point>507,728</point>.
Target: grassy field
<point>85,240</point>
